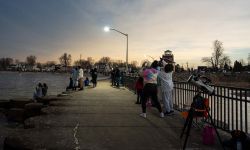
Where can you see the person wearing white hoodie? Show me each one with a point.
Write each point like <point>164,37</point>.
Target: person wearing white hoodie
<point>167,86</point>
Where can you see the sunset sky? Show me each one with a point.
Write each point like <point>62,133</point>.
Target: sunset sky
<point>48,28</point>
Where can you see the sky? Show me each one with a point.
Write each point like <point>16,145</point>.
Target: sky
<point>49,28</point>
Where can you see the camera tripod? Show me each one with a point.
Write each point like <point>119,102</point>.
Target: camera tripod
<point>189,120</point>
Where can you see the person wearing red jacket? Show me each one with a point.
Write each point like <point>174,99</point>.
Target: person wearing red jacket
<point>139,88</point>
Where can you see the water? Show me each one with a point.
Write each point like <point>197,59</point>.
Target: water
<point>22,85</point>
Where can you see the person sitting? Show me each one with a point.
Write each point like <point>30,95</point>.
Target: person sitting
<point>86,82</point>
<point>44,89</point>
<point>38,92</point>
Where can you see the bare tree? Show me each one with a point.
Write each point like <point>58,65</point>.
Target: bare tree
<point>91,61</point>
<point>105,60</point>
<point>225,60</point>
<point>50,63</point>
<point>5,63</point>
<point>39,65</point>
<point>17,61</point>
<point>218,58</point>
<point>65,60</point>
<point>31,60</point>
<point>134,64</point>
<point>242,62</point>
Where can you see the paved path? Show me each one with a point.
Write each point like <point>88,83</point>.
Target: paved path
<point>105,118</point>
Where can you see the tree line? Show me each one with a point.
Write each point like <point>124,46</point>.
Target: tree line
<point>65,60</point>
<point>220,61</point>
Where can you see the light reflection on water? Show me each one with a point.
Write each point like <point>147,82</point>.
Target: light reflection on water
<point>22,85</point>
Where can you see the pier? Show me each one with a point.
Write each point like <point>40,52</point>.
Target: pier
<point>101,118</point>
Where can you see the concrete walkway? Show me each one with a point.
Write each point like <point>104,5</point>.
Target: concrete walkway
<point>104,118</point>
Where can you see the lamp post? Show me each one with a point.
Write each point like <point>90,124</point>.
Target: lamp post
<point>107,29</point>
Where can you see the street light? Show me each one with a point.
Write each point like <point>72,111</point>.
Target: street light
<point>107,29</point>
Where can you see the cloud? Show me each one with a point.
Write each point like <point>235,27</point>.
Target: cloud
<point>188,28</point>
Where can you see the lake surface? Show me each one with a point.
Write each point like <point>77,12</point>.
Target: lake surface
<point>22,85</point>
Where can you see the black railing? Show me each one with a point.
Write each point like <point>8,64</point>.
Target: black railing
<point>229,106</point>
<point>129,82</point>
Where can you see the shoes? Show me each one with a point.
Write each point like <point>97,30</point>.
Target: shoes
<point>143,115</point>
<point>161,115</point>
<point>169,113</point>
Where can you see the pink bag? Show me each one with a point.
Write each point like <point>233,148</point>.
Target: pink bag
<point>208,135</point>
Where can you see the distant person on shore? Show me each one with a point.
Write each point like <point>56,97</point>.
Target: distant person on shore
<point>94,77</point>
<point>150,88</point>
<point>86,82</point>
<point>167,85</point>
<point>113,77</point>
<point>138,89</point>
<point>44,89</point>
<point>38,91</point>
<point>117,77</point>
<point>80,78</point>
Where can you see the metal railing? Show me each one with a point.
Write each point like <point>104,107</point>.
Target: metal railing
<point>229,106</point>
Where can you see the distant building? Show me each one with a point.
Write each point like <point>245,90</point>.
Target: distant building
<point>168,57</point>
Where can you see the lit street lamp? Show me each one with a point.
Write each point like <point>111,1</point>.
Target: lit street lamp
<point>107,29</point>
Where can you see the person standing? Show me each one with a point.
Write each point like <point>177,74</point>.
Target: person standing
<point>75,78</point>
<point>139,88</point>
<point>80,78</point>
<point>117,77</point>
<point>94,77</point>
<point>113,77</point>
<point>150,89</point>
<point>167,84</point>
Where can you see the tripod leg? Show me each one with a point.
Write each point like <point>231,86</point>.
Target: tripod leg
<point>217,133</point>
<point>186,123</point>
<point>189,127</point>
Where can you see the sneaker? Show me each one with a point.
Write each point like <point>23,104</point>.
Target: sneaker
<point>161,115</point>
<point>168,113</point>
<point>143,115</point>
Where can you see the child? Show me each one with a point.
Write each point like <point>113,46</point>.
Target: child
<point>138,88</point>
<point>86,82</point>
<point>167,88</point>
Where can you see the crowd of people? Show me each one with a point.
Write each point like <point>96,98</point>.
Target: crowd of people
<point>147,86</point>
<point>117,77</point>
<point>76,79</point>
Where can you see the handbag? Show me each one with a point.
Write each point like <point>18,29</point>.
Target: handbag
<point>208,135</point>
